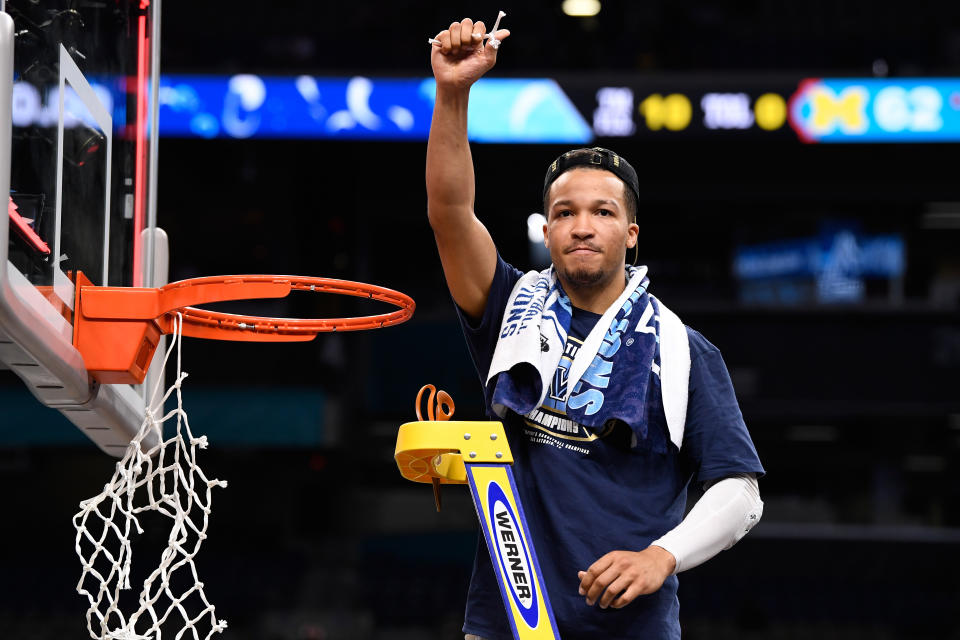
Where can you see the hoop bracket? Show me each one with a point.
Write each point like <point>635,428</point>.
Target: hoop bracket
<point>117,329</point>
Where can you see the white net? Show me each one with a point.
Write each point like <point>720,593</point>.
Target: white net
<point>164,480</point>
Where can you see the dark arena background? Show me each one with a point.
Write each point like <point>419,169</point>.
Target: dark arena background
<point>743,123</point>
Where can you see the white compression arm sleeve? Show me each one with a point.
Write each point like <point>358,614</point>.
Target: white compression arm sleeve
<point>726,511</point>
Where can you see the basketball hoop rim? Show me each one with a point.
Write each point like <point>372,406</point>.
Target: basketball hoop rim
<point>217,321</point>
<point>162,304</point>
<point>117,329</point>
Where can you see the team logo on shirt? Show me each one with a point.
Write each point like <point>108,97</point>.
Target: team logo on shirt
<point>513,555</point>
<point>551,418</point>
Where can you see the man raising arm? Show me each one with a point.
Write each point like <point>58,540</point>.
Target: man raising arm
<point>466,249</point>
<point>611,405</point>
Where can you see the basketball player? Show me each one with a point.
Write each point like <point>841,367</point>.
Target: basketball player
<point>605,502</point>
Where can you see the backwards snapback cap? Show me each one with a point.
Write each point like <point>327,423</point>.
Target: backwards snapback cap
<point>596,157</point>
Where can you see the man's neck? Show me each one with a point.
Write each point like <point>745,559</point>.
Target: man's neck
<point>595,298</point>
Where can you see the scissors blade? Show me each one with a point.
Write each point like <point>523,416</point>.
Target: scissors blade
<point>436,493</point>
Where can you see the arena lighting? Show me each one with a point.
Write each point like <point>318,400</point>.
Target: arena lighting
<point>535,222</point>
<point>536,250</point>
<point>581,8</point>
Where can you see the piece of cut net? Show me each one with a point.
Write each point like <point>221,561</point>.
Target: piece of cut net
<point>164,482</point>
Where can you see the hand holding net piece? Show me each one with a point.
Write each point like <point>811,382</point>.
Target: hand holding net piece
<point>164,480</point>
<point>490,37</point>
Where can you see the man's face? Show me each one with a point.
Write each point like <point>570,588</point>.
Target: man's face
<point>588,229</point>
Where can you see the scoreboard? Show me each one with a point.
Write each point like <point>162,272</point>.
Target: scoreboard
<point>563,110</point>
<point>809,110</point>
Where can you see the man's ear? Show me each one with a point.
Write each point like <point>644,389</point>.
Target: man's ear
<point>546,241</point>
<point>633,231</point>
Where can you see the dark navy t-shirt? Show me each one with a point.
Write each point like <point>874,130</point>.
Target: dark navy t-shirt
<point>587,492</point>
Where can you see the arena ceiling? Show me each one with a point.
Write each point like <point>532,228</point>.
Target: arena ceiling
<point>857,37</point>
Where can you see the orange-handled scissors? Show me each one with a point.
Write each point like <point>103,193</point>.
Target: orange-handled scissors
<point>442,409</point>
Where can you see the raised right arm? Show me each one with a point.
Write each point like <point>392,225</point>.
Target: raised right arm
<point>466,249</point>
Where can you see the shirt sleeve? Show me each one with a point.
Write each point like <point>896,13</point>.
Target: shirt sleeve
<point>715,438</point>
<point>481,334</point>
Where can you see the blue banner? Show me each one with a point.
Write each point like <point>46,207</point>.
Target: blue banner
<point>245,106</point>
<point>829,268</point>
<point>880,256</point>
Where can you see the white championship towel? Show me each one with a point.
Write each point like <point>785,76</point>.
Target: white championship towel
<point>534,332</point>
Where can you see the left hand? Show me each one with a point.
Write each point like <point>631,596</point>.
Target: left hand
<point>618,577</point>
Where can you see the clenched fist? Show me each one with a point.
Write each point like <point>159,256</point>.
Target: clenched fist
<point>462,56</point>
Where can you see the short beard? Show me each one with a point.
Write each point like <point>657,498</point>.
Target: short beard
<point>582,278</point>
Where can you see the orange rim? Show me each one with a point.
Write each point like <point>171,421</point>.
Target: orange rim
<point>117,329</point>
<point>219,325</point>
<point>161,305</point>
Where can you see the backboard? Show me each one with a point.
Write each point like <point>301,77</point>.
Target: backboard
<point>77,156</point>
